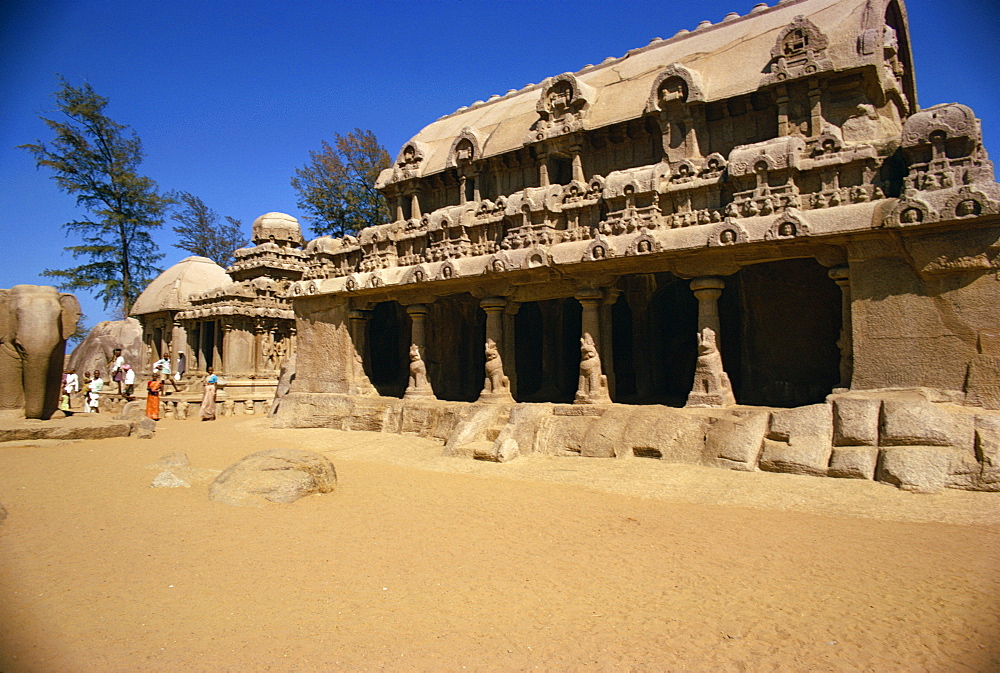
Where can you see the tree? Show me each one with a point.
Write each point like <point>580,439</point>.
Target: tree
<point>337,186</point>
<point>201,232</point>
<point>96,159</point>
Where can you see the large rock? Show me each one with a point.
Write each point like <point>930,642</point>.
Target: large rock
<point>95,351</point>
<point>988,451</point>
<point>274,475</point>
<point>853,462</point>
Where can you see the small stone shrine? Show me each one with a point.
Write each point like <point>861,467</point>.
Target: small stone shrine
<point>237,320</point>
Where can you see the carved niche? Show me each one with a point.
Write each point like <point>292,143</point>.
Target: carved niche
<point>674,84</point>
<point>727,232</point>
<point>409,160</point>
<point>562,107</point>
<point>789,224</point>
<point>909,212</point>
<point>800,50</point>
<point>465,149</point>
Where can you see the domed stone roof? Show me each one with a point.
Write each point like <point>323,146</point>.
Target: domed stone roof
<point>170,290</point>
<point>278,227</point>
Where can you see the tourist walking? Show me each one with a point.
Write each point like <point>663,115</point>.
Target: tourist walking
<point>153,388</point>
<point>207,411</point>
<point>71,386</point>
<point>129,381</point>
<point>115,368</point>
<point>93,397</point>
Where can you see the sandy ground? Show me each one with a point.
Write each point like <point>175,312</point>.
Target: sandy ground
<point>424,563</point>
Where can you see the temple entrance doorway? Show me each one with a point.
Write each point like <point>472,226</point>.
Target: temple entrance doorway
<point>791,318</point>
<point>387,361</point>
<point>455,350</point>
<point>547,350</point>
<point>654,324</point>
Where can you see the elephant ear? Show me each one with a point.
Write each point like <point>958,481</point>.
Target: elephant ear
<point>8,318</point>
<point>70,314</point>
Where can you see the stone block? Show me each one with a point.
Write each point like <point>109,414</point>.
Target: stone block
<point>855,421</point>
<point>917,422</point>
<point>814,420</point>
<point>922,469</point>
<point>799,440</point>
<point>805,455</point>
<point>736,442</point>
<point>853,462</point>
<point>144,428</point>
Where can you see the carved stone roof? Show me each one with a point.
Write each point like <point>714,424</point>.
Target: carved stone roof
<point>170,291</point>
<point>730,58</point>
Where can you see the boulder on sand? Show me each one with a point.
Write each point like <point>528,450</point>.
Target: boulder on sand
<point>275,475</point>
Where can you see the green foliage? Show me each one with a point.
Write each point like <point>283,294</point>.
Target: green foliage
<point>81,332</point>
<point>337,187</point>
<point>202,233</point>
<point>96,159</point>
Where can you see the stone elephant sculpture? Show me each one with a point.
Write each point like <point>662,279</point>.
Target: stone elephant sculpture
<point>35,321</point>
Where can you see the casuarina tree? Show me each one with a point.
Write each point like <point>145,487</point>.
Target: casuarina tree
<point>97,160</point>
<point>337,187</point>
<point>202,232</point>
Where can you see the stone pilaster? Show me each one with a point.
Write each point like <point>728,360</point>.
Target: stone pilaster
<point>419,385</point>
<point>593,384</point>
<point>707,291</point>
<point>841,276</point>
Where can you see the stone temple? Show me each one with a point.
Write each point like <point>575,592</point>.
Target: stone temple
<point>745,246</point>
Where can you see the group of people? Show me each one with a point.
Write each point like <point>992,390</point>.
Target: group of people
<point>123,374</point>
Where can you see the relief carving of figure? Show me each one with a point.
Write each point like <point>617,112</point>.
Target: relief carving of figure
<point>593,386</point>
<point>711,383</point>
<point>497,385</point>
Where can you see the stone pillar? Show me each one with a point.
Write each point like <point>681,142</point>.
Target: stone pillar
<point>414,205</point>
<point>476,186</point>
<point>841,276</point>
<point>358,327</point>
<point>399,207</point>
<point>226,353</point>
<point>461,189</point>
<point>707,290</point>
<point>781,100</point>
<point>494,308</point>
<point>593,385</point>
<point>578,174</point>
<point>508,348</point>
<point>178,343</point>
<point>419,384</point>
<point>258,348</point>
<point>815,108</point>
<point>218,348</point>
<point>607,342</point>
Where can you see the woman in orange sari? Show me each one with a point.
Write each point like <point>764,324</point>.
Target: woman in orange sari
<point>153,398</point>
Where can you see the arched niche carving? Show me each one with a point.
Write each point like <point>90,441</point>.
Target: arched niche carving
<point>799,51</point>
<point>675,84</point>
<point>465,149</point>
<point>968,202</point>
<point>643,244</point>
<point>790,224</point>
<point>562,106</point>
<point>598,249</point>
<point>909,212</point>
<point>409,159</point>
<point>535,257</point>
<point>416,274</point>
<point>727,232</point>
<point>447,271</point>
<point>498,263</point>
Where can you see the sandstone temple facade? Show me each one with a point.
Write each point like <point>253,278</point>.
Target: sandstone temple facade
<point>745,246</point>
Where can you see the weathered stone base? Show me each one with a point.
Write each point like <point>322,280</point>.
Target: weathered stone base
<point>77,426</point>
<point>918,440</point>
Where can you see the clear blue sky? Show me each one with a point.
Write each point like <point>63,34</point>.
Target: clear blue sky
<point>229,97</point>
